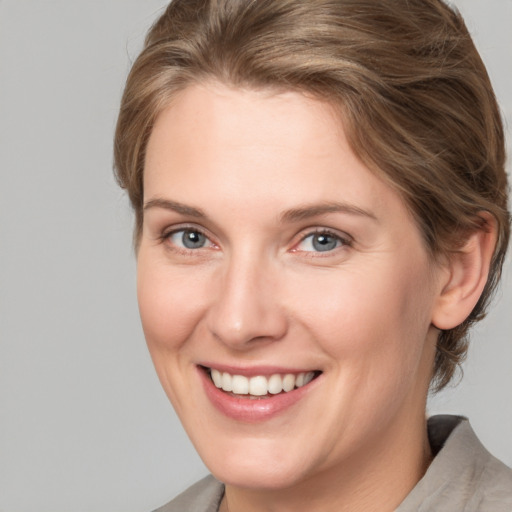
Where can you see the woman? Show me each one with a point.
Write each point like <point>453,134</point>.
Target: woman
<point>321,215</point>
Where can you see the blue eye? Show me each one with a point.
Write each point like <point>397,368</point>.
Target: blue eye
<point>321,242</point>
<point>189,239</point>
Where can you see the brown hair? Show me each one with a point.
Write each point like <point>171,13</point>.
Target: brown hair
<point>416,100</point>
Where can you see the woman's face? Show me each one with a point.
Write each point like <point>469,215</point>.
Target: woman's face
<point>270,256</point>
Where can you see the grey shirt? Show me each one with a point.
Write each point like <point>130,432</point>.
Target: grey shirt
<point>463,477</point>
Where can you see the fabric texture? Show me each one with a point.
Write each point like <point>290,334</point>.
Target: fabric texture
<point>463,477</point>
<point>203,496</point>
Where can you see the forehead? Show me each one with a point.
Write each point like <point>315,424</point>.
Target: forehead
<point>216,146</point>
<point>223,118</point>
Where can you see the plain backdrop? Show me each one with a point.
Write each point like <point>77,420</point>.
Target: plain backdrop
<point>84,425</point>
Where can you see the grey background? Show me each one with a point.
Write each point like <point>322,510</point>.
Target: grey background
<point>84,425</point>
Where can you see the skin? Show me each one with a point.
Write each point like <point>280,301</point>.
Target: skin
<point>258,293</point>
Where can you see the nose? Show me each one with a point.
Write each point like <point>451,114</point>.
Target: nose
<point>246,308</point>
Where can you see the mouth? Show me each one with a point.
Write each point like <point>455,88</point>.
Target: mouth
<point>257,387</point>
<point>256,394</point>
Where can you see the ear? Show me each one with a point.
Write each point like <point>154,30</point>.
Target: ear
<point>466,276</point>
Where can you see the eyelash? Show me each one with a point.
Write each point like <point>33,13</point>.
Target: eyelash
<point>341,241</point>
<point>166,236</point>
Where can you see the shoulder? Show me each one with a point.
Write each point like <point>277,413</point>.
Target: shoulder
<point>493,489</point>
<point>203,496</point>
<point>485,480</point>
<point>463,476</point>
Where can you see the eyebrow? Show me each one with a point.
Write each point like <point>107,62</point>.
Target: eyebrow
<point>174,206</point>
<point>315,210</point>
<point>292,215</point>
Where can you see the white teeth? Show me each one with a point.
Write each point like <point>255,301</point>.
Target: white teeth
<point>288,382</point>
<point>275,384</point>
<point>227,382</point>
<point>259,385</point>
<point>240,385</point>
<point>308,377</point>
<point>216,377</point>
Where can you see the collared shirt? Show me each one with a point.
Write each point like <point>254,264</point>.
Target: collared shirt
<point>463,477</point>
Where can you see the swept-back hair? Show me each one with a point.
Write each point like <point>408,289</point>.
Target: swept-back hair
<point>412,91</point>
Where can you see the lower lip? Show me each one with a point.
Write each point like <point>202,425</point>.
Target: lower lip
<point>251,410</point>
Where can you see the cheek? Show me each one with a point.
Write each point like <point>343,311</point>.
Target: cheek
<point>376,318</point>
<point>170,308</point>
<point>169,303</point>
<point>374,331</point>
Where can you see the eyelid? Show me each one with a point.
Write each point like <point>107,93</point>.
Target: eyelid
<point>166,234</point>
<point>345,239</point>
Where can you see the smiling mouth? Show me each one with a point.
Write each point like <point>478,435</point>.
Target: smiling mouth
<point>259,386</point>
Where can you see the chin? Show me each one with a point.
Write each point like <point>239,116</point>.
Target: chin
<point>272,476</point>
<point>256,465</point>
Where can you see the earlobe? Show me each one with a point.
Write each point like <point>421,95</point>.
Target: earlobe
<point>468,269</point>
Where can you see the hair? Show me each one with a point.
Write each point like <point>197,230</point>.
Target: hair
<point>416,102</point>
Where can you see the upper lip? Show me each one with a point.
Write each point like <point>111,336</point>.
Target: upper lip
<point>252,371</point>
